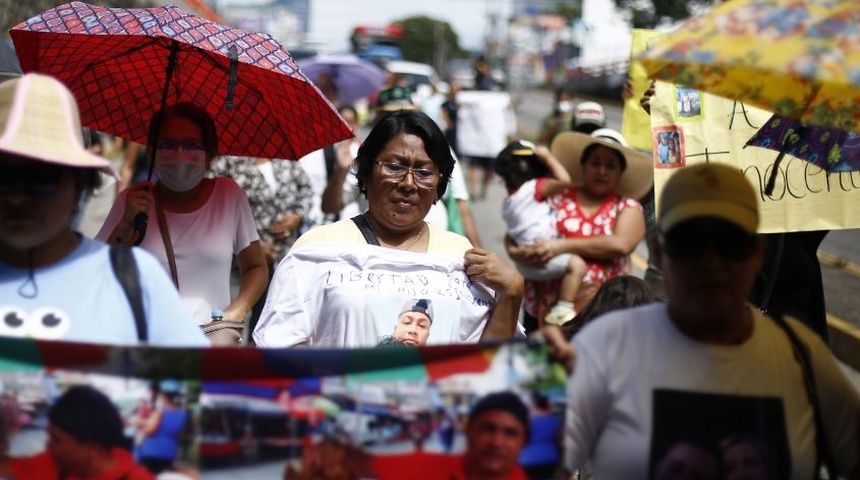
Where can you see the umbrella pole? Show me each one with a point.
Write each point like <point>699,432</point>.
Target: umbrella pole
<point>142,219</point>
<point>786,137</point>
<point>171,65</point>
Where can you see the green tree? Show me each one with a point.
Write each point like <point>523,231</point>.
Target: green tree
<point>649,14</point>
<point>570,11</point>
<point>431,41</point>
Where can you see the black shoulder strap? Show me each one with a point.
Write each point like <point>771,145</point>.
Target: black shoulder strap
<point>366,231</point>
<point>330,157</point>
<point>125,269</point>
<point>801,354</point>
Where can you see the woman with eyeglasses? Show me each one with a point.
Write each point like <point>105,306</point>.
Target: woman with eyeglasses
<point>196,224</point>
<point>342,284</point>
<point>55,283</point>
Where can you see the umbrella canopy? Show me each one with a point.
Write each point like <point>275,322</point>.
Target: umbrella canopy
<point>831,149</point>
<point>352,77</point>
<point>800,59</point>
<point>123,65</point>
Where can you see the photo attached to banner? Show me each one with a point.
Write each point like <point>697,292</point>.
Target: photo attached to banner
<point>131,424</point>
<point>380,424</point>
<point>669,149</point>
<point>688,104</point>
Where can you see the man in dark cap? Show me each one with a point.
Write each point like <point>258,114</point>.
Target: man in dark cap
<point>413,324</point>
<point>85,441</point>
<point>707,361</point>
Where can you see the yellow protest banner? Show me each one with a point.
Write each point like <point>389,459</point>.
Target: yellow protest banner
<point>635,123</point>
<point>689,126</point>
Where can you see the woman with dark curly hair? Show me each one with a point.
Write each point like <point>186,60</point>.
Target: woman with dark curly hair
<point>328,289</point>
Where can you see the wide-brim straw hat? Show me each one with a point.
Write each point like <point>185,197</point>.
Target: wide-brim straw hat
<point>638,176</point>
<point>39,120</point>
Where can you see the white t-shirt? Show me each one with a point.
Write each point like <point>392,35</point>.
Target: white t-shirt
<point>335,290</point>
<point>204,243</point>
<point>639,384</point>
<point>527,217</point>
<point>79,299</point>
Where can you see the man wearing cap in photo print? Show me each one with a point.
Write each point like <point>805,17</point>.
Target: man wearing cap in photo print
<point>706,368</point>
<point>413,324</point>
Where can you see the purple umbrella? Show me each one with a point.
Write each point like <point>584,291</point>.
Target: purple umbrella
<point>832,149</point>
<point>353,77</point>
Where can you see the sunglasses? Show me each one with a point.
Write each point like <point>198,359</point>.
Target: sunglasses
<point>38,180</point>
<point>688,243</point>
<point>190,145</point>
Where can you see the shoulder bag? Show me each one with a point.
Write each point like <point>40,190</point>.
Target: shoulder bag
<point>125,270</point>
<point>823,461</point>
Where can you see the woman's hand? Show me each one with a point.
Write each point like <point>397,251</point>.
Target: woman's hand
<point>645,101</point>
<point>138,199</point>
<point>284,226</point>
<point>523,254</point>
<point>486,267</point>
<point>234,315</point>
<point>542,250</point>
<point>343,155</point>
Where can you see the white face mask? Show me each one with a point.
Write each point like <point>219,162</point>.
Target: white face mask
<point>565,106</point>
<point>179,170</point>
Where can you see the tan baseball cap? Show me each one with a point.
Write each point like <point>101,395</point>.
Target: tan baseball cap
<point>708,190</point>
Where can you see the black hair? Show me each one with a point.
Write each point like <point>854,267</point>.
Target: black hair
<point>585,128</point>
<point>506,401</point>
<point>191,112</point>
<point>89,416</point>
<point>586,154</point>
<point>414,123</point>
<point>88,177</point>
<point>623,291</point>
<point>516,170</point>
<point>663,447</point>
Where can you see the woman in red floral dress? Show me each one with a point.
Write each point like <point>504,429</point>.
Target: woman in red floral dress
<point>601,220</point>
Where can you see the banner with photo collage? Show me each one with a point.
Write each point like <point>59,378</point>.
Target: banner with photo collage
<point>688,126</point>
<point>290,413</point>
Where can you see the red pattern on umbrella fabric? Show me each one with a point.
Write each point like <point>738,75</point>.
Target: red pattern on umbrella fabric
<point>115,61</point>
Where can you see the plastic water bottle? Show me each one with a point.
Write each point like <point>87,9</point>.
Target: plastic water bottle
<point>217,315</point>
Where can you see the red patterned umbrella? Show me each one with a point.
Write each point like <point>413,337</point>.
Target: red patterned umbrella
<point>123,65</point>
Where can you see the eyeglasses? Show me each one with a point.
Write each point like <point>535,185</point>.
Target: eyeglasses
<point>40,181</point>
<point>687,244</point>
<point>397,173</point>
<point>190,145</point>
